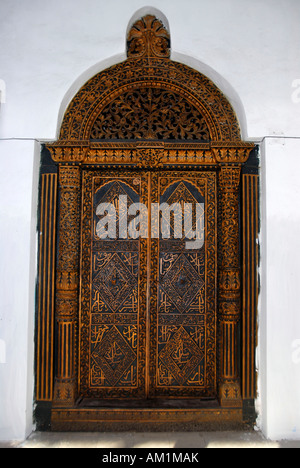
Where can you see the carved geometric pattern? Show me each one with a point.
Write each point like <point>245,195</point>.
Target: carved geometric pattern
<point>180,356</point>
<point>182,193</point>
<point>181,283</point>
<point>112,356</point>
<point>114,281</point>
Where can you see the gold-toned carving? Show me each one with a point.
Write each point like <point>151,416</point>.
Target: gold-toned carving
<point>148,38</point>
<point>182,323</point>
<point>66,295</point>
<point>68,151</point>
<point>67,284</point>
<point>229,284</point>
<point>46,289</point>
<point>154,420</point>
<point>151,113</point>
<point>124,154</point>
<point>230,394</point>
<point>113,294</point>
<point>150,157</point>
<point>193,89</point>
<point>149,79</point>
<point>230,280</point>
<point>230,309</point>
<point>150,323</point>
<point>229,179</point>
<point>67,280</point>
<point>250,249</point>
<point>64,394</point>
<point>226,152</point>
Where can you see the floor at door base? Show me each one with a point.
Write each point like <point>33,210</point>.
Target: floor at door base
<point>206,416</point>
<point>155,403</point>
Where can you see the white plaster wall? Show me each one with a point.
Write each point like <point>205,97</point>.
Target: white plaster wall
<point>18,188</point>
<point>251,50</point>
<point>45,46</point>
<point>280,324</point>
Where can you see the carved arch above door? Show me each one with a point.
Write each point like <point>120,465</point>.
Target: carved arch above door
<point>147,113</point>
<point>150,98</point>
<point>149,67</point>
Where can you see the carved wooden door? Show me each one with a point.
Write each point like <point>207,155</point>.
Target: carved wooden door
<point>148,296</point>
<point>182,302</point>
<point>133,316</point>
<point>114,292</point>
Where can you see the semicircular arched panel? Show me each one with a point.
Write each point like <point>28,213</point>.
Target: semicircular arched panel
<point>149,96</point>
<point>180,86</point>
<point>150,112</point>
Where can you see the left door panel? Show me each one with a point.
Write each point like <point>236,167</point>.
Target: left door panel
<point>112,351</point>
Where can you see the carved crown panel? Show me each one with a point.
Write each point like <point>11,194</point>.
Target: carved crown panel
<point>148,38</point>
<point>149,96</point>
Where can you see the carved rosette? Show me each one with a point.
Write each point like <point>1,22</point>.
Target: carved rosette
<point>150,157</point>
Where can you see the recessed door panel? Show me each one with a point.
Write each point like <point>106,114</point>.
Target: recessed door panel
<point>113,294</point>
<point>148,295</point>
<point>183,303</point>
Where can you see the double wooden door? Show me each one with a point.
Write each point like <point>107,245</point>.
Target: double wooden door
<point>147,325</point>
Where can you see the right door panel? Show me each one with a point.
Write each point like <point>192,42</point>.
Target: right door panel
<point>183,286</point>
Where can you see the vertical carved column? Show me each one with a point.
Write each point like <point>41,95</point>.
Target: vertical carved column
<point>229,286</point>
<point>250,259</point>
<point>46,283</point>
<point>67,285</point>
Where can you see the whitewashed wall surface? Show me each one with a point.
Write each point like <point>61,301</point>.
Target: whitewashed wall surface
<point>251,50</point>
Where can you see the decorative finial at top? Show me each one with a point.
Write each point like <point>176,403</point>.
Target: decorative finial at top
<point>148,37</point>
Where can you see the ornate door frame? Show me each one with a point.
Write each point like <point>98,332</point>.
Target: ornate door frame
<point>146,113</point>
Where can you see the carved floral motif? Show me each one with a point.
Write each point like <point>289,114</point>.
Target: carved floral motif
<point>148,37</point>
<point>150,113</point>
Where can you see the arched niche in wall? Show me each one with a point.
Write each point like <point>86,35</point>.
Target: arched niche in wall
<point>118,313</point>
